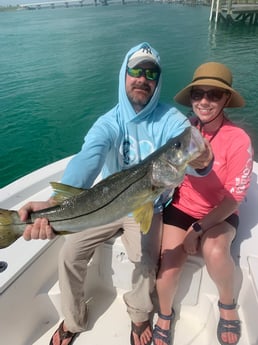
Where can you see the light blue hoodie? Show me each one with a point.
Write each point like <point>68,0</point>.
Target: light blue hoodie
<point>121,137</point>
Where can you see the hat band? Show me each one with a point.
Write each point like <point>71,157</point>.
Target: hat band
<point>214,78</point>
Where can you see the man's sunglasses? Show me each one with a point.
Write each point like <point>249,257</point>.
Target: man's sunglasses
<point>148,73</point>
<point>213,95</point>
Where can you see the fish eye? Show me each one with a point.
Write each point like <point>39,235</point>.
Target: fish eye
<point>177,145</point>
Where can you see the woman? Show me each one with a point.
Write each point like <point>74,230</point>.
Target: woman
<point>203,214</point>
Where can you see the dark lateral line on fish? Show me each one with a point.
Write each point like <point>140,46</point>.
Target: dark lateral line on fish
<point>29,221</point>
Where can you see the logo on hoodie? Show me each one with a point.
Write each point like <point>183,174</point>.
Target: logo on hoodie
<point>135,151</point>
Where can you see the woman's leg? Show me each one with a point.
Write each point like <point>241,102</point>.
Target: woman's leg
<point>173,258</point>
<point>216,245</point>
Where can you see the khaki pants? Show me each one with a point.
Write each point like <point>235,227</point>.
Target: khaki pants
<point>142,250</point>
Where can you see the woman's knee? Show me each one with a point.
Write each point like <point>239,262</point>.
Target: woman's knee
<point>215,251</point>
<point>218,240</point>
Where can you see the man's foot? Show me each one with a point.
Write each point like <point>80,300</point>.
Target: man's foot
<point>229,327</point>
<point>62,336</point>
<point>141,333</point>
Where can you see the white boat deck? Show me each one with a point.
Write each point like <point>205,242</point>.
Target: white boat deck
<point>30,299</point>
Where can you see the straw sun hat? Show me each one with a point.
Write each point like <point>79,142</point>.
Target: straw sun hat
<point>211,74</point>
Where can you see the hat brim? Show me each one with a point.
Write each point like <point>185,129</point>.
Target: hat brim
<point>183,96</point>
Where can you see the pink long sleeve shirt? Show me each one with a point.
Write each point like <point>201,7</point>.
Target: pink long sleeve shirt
<point>230,176</point>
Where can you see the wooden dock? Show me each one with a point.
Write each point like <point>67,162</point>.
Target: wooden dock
<point>244,11</point>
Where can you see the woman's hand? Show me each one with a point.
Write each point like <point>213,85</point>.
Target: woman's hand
<point>204,159</point>
<point>191,241</point>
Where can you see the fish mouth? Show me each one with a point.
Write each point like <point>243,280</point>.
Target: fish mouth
<point>166,173</point>
<point>173,167</point>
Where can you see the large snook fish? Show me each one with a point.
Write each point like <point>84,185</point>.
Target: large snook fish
<point>133,190</point>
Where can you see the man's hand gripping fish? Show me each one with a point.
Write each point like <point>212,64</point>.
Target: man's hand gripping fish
<point>133,190</point>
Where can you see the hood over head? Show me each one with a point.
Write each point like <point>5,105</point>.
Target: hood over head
<point>146,51</point>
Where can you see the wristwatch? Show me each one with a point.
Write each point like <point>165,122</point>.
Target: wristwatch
<point>197,227</point>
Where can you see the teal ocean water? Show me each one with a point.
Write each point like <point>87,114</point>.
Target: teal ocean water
<point>59,71</point>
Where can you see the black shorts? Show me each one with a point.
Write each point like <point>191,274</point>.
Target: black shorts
<point>176,217</point>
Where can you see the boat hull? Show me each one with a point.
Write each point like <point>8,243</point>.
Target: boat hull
<point>30,307</point>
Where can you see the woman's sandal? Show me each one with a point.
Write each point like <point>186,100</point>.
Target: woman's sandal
<point>64,335</point>
<point>138,330</point>
<point>228,326</point>
<point>163,334</point>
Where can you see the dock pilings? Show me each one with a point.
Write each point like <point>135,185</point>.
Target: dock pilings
<point>242,11</point>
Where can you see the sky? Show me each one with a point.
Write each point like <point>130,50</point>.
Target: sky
<point>17,2</point>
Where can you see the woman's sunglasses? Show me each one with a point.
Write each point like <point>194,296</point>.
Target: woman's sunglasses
<point>213,95</point>
<point>148,73</point>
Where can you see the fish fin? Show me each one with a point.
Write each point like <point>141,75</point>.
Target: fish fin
<point>63,232</point>
<point>64,191</point>
<point>143,215</point>
<point>8,230</point>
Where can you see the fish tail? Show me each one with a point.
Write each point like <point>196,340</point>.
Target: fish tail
<point>9,227</point>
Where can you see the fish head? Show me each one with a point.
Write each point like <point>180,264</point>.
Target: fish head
<point>169,165</point>
<point>184,148</point>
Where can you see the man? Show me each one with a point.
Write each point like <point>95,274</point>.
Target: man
<point>138,125</point>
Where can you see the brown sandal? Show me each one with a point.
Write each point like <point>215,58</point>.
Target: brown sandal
<point>64,335</point>
<point>138,330</point>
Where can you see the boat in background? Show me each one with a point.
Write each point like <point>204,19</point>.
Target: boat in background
<point>30,308</point>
